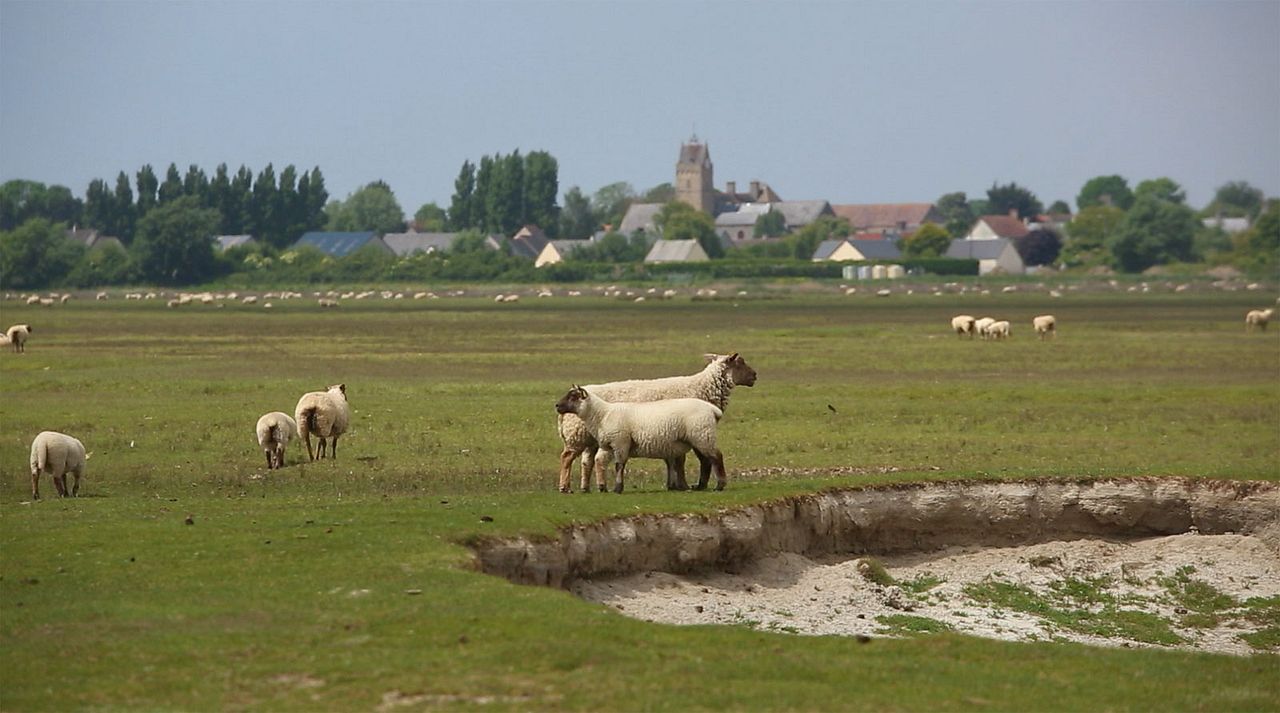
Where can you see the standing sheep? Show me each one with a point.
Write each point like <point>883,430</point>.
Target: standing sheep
<point>57,454</point>
<point>1257,318</point>
<point>963,324</point>
<point>713,384</point>
<point>981,325</point>
<point>655,429</point>
<point>1046,325</point>
<point>275,430</point>
<point>998,330</point>
<point>324,413</point>
<point>17,335</point>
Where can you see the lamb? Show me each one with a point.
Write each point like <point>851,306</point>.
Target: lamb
<point>1258,318</point>
<point>57,454</point>
<point>275,430</point>
<point>665,429</point>
<point>324,413</point>
<point>713,384</point>
<point>963,324</point>
<point>1046,325</point>
<point>17,335</point>
<point>998,330</point>
<point>980,326</point>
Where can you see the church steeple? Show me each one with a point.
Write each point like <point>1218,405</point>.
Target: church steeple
<point>695,182</point>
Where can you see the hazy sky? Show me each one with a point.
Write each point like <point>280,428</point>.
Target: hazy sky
<point>853,102</point>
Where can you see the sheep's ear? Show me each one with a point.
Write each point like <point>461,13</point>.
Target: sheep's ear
<point>734,357</point>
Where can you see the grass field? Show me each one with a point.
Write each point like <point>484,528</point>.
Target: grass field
<point>343,584</point>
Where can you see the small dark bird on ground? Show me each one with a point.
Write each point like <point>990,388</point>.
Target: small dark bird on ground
<point>833,408</point>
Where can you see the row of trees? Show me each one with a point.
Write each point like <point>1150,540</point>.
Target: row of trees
<point>504,193</point>
<point>274,209</point>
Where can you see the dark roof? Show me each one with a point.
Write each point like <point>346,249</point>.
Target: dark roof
<point>528,242</point>
<point>340,244</point>
<point>826,248</point>
<point>405,244</point>
<point>877,249</point>
<point>977,249</point>
<point>801,213</point>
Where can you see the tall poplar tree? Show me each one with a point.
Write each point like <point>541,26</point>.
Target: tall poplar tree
<point>461,206</point>
<point>541,186</point>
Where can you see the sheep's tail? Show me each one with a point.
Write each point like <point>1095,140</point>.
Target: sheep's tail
<point>273,433</point>
<point>41,458</point>
<point>308,419</point>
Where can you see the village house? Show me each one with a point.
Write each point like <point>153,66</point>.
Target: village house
<point>896,219</point>
<point>225,242</point>
<point>994,255</point>
<point>676,251</point>
<point>336,244</point>
<point>846,249</point>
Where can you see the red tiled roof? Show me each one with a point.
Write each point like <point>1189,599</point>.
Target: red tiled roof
<point>883,215</point>
<point>1005,226</point>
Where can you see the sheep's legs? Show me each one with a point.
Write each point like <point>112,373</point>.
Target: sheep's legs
<point>311,454</point>
<point>619,472</point>
<point>333,448</point>
<point>75,490</point>
<point>567,457</point>
<point>675,474</point>
<point>270,460</point>
<point>716,460</point>
<point>35,485</point>
<point>60,482</point>
<point>602,459</point>
<point>590,465</point>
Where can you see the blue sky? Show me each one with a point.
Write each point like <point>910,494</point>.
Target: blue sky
<point>852,102</point>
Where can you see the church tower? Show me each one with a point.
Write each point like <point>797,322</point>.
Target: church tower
<point>694,180</point>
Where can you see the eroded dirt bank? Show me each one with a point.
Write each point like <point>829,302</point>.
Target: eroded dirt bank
<point>1141,562</point>
<point>909,518</point>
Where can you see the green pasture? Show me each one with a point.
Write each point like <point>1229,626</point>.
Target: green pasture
<point>345,584</point>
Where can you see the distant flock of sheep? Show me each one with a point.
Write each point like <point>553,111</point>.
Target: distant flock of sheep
<point>662,419</point>
<point>1045,325</point>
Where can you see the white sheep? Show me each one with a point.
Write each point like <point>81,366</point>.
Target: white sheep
<point>1046,325</point>
<point>57,454</point>
<point>713,384</point>
<point>963,324</point>
<point>981,324</point>
<point>998,330</point>
<point>324,413</point>
<point>275,430</point>
<point>1258,318</point>
<point>17,335</point>
<point>666,430</point>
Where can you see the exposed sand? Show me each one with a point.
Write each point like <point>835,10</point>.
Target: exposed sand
<point>789,592</point>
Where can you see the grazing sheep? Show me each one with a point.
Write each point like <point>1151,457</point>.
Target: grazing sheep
<point>980,326</point>
<point>713,384</point>
<point>998,330</point>
<point>57,454</point>
<point>17,335</point>
<point>1046,325</point>
<point>324,413</point>
<point>963,324</point>
<point>655,429</point>
<point>275,430</point>
<point>1257,318</point>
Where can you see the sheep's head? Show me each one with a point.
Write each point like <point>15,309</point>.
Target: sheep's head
<point>339,389</point>
<point>740,372</point>
<point>572,401</point>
